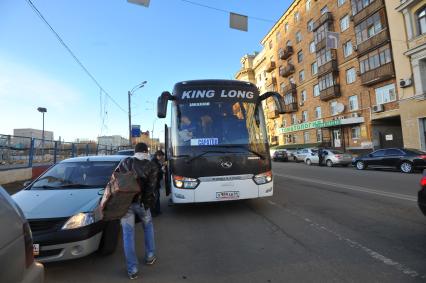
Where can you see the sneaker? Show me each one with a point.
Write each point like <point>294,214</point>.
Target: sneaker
<point>133,276</point>
<point>151,260</point>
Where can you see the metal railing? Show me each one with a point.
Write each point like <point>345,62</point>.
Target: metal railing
<point>23,152</point>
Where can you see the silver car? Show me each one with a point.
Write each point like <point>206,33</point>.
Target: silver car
<point>16,245</point>
<point>301,154</point>
<point>331,157</point>
<point>62,207</point>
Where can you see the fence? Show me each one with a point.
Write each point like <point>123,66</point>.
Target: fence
<point>23,152</point>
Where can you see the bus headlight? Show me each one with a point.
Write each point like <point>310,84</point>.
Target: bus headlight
<point>185,182</point>
<point>79,220</point>
<point>263,178</point>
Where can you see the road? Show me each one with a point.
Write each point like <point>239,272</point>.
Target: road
<point>321,225</point>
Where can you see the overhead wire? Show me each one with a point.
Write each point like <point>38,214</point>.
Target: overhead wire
<point>61,41</point>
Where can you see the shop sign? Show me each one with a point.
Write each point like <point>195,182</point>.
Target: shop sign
<point>310,125</point>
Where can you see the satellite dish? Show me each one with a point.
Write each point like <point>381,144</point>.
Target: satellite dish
<point>340,107</point>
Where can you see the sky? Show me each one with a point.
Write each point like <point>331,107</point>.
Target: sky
<point>121,44</point>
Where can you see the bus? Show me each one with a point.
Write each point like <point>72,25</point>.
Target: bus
<point>217,146</point>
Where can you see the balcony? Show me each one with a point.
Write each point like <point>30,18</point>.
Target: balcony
<point>288,51</point>
<point>320,45</point>
<point>377,75</point>
<point>328,67</point>
<point>373,42</point>
<point>273,114</point>
<point>271,66</point>
<point>291,88</point>
<point>292,107</point>
<point>330,93</point>
<point>323,19</point>
<point>287,70</point>
<point>367,11</point>
<point>271,81</point>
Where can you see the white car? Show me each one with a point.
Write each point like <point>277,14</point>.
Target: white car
<point>301,154</point>
<point>16,245</point>
<point>331,157</point>
<point>62,209</point>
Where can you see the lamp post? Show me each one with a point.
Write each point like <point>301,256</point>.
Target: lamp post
<point>129,95</point>
<point>42,110</point>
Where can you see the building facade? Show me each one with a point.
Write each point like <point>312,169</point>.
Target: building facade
<point>114,140</point>
<point>333,62</point>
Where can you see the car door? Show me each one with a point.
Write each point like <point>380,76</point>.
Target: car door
<point>375,159</point>
<point>392,157</point>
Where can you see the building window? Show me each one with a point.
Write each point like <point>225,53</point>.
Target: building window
<point>296,17</point>
<point>293,119</point>
<point>318,112</point>
<point>321,32</point>
<point>385,94</point>
<point>288,43</point>
<point>312,47</point>
<point>347,48</point>
<point>324,10</point>
<point>316,90</point>
<point>344,23</point>
<point>375,59</point>
<point>319,135</point>
<point>340,2</point>
<point>350,75</point>
<point>291,79</point>
<point>421,20</point>
<point>310,25</point>
<point>358,5</point>
<point>301,75</point>
<point>370,27</point>
<point>327,81</point>
<point>299,56</point>
<point>314,68</point>
<point>289,98</point>
<point>308,5</point>
<point>306,137</point>
<point>298,37</point>
<point>305,116</point>
<point>333,108</point>
<point>353,103</point>
<point>356,132</point>
<point>303,96</point>
<point>270,44</point>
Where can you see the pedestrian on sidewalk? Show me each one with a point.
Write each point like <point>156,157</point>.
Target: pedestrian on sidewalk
<point>147,174</point>
<point>158,160</point>
<point>320,156</point>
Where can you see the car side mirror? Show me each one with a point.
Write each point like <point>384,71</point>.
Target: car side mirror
<point>279,104</point>
<point>162,102</point>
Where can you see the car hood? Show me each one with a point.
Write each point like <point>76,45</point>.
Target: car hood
<point>56,203</point>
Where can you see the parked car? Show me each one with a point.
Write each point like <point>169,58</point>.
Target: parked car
<point>280,155</point>
<point>128,152</point>
<point>291,154</point>
<point>421,196</point>
<point>331,157</point>
<point>301,154</point>
<point>406,160</point>
<point>62,208</point>
<point>16,245</point>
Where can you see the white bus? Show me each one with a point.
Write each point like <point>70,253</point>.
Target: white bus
<point>217,147</point>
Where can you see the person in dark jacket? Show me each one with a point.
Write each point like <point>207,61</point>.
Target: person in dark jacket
<point>320,157</point>
<point>158,160</point>
<point>147,173</point>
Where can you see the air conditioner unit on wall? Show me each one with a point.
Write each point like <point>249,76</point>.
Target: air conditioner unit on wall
<point>405,83</point>
<point>378,108</point>
<point>354,115</point>
<point>301,103</point>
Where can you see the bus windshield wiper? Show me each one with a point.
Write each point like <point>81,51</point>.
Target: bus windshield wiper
<point>204,153</point>
<point>243,147</point>
<point>47,187</point>
<point>77,186</point>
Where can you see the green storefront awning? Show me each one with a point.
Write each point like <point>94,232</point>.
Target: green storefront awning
<point>295,146</point>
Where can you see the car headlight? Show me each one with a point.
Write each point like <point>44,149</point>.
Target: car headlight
<point>185,182</point>
<point>263,178</point>
<point>79,220</point>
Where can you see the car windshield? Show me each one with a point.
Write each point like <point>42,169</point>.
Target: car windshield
<point>76,175</point>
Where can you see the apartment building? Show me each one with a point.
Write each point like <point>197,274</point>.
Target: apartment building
<point>332,62</point>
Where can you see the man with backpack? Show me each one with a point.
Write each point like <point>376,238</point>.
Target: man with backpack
<point>147,175</point>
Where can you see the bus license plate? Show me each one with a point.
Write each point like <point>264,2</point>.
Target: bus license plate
<point>227,195</point>
<point>36,249</point>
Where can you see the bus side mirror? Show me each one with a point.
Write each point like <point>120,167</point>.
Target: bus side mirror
<point>278,100</point>
<point>162,104</point>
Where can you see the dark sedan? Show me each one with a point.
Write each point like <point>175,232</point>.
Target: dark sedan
<point>280,155</point>
<point>422,194</point>
<point>403,159</point>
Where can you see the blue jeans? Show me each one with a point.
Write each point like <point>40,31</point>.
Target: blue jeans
<point>128,225</point>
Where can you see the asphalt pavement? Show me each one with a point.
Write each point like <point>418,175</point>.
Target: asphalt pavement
<point>322,225</point>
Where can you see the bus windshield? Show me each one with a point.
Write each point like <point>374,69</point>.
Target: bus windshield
<point>219,124</point>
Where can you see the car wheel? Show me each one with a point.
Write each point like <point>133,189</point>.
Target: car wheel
<point>406,167</point>
<point>109,239</point>
<point>329,163</point>
<point>308,162</point>
<point>360,165</point>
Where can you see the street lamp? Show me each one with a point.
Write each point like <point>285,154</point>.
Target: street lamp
<point>42,110</point>
<point>129,94</point>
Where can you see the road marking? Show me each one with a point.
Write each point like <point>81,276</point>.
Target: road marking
<point>352,188</point>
